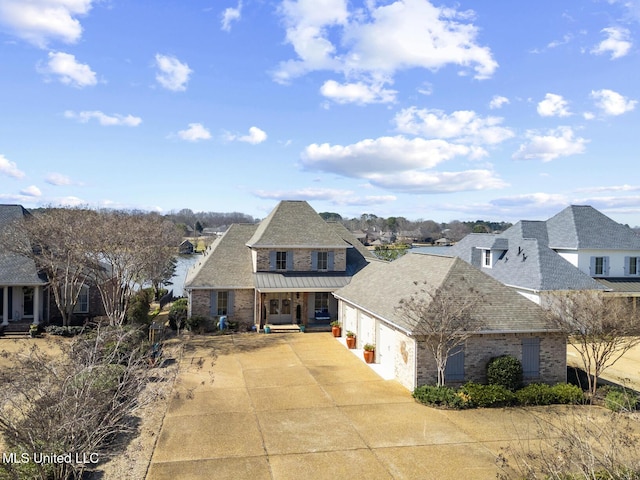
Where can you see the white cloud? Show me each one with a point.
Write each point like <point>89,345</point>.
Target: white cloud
<point>498,101</point>
<point>173,74</point>
<point>438,182</point>
<point>254,137</point>
<point>194,133</point>
<point>463,125</point>
<point>10,169</point>
<point>369,45</point>
<point>332,195</point>
<point>359,92</point>
<point>231,15</point>
<point>68,70</point>
<point>536,200</point>
<point>617,42</point>
<point>31,191</point>
<point>58,179</point>
<point>553,106</point>
<point>104,119</point>
<point>612,103</point>
<point>41,21</point>
<point>560,142</point>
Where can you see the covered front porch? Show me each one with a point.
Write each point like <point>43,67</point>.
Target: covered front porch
<point>296,299</point>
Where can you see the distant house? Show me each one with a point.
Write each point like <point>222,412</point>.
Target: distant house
<point>577,249</point>
<point>507,323</point>
<point>278,272</point>
<point>186,248</point>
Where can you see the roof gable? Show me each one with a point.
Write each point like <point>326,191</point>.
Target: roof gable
<point>294,224</point>
<point>502,309</point>
<point>584,227</point>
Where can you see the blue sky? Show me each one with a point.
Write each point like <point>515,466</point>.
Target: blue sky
<point>454,110</point>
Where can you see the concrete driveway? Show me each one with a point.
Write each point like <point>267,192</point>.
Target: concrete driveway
<point>291,406</point>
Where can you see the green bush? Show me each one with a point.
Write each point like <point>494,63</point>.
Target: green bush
<point>63,331</point>
<point>479,395</point>
<point>621,400</point>
<point>505,371</point>
<point>138,310</point>
<point>439,396</point>
<point>536,394</point>
<point>178,313</point>
<point>567,394</point>
<point>194,322</point>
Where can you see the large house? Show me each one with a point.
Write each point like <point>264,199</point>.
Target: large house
<point>577,249</point>
<point>23,289</point>
<point>281,271</point>
<point>505,322</point>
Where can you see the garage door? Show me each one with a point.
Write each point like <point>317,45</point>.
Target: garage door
<point>385,347</point>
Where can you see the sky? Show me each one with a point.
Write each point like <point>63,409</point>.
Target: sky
<point>465,110</point>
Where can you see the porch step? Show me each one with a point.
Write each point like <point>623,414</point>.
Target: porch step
<point>287,328</point>
<point>15,329</point>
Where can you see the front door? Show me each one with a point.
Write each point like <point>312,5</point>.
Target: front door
<point>27,302</point>
<point>279,308</point>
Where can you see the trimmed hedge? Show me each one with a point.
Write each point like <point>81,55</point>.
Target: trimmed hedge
<point>474,395</point>
<point>505,371</point>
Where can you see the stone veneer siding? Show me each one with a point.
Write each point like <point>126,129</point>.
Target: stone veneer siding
<point>482,348</point>
<point>301,258</point>
<point>200,304</point>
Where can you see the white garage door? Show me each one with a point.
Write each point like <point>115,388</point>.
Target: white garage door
<point>385,347</point>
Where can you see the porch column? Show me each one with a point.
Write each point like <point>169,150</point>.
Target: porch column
<point>5,305</point>
<point>36,304</point>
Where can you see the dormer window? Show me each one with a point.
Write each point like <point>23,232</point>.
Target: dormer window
<point>599,266</point>
<point>486,258</point>
<point>281,260</point>
<point>323,260</point>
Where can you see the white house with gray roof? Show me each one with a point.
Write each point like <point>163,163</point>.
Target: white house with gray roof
<point>577,249</point>
<point>506,322</point>
<point>278,272</point>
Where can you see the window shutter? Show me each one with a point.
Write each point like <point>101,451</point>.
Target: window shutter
<point>10,307</point>
<point>605,266</point>
<point>592,266</point>
<point>531,357</point>
<point>314,260</point>
<point>214,302</point>
<point>290,260</point>
<point>230,302</point>
<point>272,260</point>
<point>627,263</point>
<point>454,371</point>
<point>330,261</point>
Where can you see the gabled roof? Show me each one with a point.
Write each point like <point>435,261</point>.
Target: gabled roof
<point>16,270</point>
<point>227,261</point>
<point>502,309</point>
<point>582,226</point>
<point>294,224</point>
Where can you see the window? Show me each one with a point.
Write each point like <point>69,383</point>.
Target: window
<point>486,258</point>
<point>323,260</point>
<point>631,265</point>
<point>82,305</point>
<point>322,302</point>
<point>281,260</point>
<point>223,303</point>
<point>531,357</point>
<point>599,266</point>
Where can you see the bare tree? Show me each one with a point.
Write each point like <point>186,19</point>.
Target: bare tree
<point>54,239</point>
<point>444,315</point>
<point>600,327</point>
<point>125,249</point>
<point>78,404</point>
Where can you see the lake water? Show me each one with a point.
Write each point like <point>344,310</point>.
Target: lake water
<point>184,263</point>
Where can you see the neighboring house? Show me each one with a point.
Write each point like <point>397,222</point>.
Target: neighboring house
<point>508,323</point>
<point>24,296</point>
<point>280,271</point>
<point>577,249</point>
<point>186,248</point>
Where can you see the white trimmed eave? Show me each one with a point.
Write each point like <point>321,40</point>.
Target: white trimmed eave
<point>376,315</point>
<point>306,247</point>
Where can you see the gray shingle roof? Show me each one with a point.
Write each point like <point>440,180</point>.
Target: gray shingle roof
<point>582,226</point>
<point>379,287</point>
<point>294,224</point>
<point>226,263</point>
<point>16,270</point>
